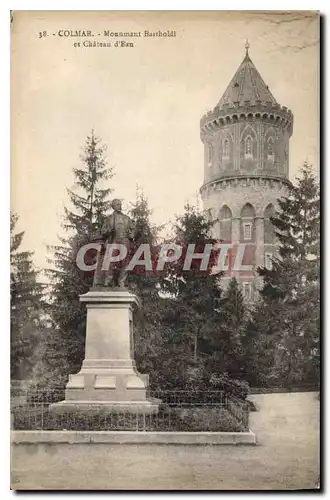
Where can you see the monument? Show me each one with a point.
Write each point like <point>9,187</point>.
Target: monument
<point>108,379</point>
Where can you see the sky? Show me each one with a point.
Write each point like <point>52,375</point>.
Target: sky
<point>144,102</point>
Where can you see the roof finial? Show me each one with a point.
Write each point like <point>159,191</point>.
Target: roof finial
<point>247,46</point>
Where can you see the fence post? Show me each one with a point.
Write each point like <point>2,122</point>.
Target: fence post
<point>246,415</point>
<point>42,416</point>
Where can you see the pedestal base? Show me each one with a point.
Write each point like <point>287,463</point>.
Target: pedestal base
<point>91,408</point>
<point>108,380</point>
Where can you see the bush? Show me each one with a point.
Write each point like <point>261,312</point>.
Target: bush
<point>205,419</point>
<point>192,419</point>
<point>238,388</point>
<point>195,378</point>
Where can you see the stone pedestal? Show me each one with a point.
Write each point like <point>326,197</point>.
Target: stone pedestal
<point>108,380</point>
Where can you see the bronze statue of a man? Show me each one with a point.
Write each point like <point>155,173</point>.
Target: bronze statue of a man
<point>118,228</point>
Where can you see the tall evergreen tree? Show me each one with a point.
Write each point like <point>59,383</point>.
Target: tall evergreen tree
<point>145,233</point>
<point>26,305</point>
<point>63,350</point>
<point>285,325</point>
<point>228,340</point>
<point>297,227</point>
<point>147,322</point>
<point>193,294</point>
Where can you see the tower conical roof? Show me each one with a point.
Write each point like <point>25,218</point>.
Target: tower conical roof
<point>246,85</point>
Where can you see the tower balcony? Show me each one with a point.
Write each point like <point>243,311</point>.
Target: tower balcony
<point>240,180</point>
<point>248,111</point>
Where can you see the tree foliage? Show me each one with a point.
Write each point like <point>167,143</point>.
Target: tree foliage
<point>284,331</point>
<point>188,335</point>
<point>194,291</point>
<point>63,350</point>
<point>26,305</point>
<point>228,340</point>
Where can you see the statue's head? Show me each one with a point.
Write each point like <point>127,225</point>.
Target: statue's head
<point>116,205</point>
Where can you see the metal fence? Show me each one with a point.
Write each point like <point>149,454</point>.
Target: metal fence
<point>190,398</point>
<point>179,411</point>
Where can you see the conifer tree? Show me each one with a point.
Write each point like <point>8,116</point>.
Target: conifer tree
<point>193,296</point>
<point>26,305</point>
<point>297,227</point>
<point>285,325</point>
<point>147,321</point>
<point>227,340</point>
<point>145,233</point>
<point>63,350</point>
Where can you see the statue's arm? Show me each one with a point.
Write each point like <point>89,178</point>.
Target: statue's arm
<point>107,228</point>
<point>131,229</point>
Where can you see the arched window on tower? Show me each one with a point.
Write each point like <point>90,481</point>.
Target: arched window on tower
<point>225,149</point>
<point>269,233</point>
<point>248,147</point>
<point>270,149</point>
<point>209,215</point>
<point>225,224</point>
<point>248,233</point>
<point>247,223</point>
